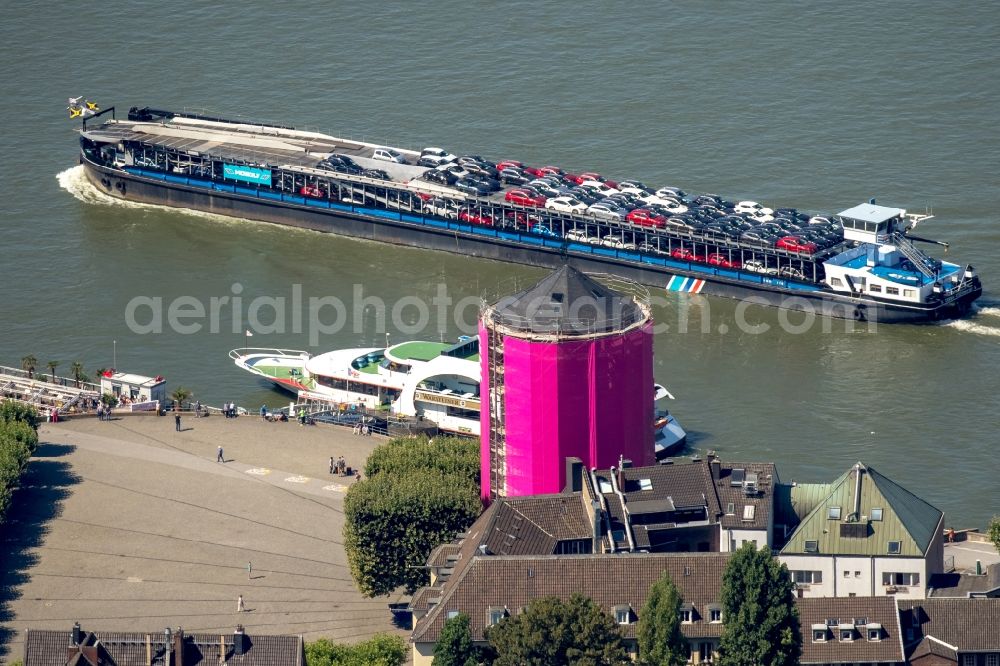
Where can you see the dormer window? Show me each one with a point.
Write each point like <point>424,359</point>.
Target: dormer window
<point>894,547</point>
<point>687,613</point>
<point>834,513</point>
<point>495,615</point>
<point>846,632</point>
<point>812,546</point>
<point>714,614</point>
<point>874,631</point>
<point>819,633</point>
<point>623,614</point>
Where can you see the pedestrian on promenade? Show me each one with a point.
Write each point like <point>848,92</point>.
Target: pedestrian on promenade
<point>177,421</point>
<point>263,412</point>
<point>240,607</point>
<point>249,570</point>
<point>197,409</point>
<point>331,464</point>
<point>219,457</point>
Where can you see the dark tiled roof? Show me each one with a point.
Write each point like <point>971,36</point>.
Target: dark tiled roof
<point>49,648</point>
<point>443,555</point>
<point>534,525</point>
<point>610,580</point>
<point>967,624</point>
<point>676,485</point>
<point>767,478</point>
<point>880,610</point>
<point>931,646</point>
<point>965,585</point>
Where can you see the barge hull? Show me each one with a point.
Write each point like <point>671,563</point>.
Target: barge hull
<point>124,185</point>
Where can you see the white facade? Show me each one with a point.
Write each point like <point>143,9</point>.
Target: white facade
<point>858,575</point>
<point>731,540</point>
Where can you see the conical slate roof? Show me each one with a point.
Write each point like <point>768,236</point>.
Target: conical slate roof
<point>568,302</point>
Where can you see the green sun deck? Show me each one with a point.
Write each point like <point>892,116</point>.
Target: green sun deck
<point>426,351</point>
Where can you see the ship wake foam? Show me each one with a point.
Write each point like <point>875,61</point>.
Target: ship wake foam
<point>973,327</point>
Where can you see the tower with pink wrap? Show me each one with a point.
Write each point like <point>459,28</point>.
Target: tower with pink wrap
<point>567,370</point>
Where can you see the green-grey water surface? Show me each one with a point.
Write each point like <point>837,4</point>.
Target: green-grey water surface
<point>819,107</point>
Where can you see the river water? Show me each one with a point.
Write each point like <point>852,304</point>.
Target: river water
<point>817,108</point>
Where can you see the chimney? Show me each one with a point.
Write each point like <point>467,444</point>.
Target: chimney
<point>240,642</point>
<point>715,465</point>
<point>179,647</point>
<point>597,517</point>
<point>77,634</point>
<point>574,475</point>
<point>979,567</point>
<point>617,473</point>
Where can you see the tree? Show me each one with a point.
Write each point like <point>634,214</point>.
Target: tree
<point>454,647</point>
<point>109,399</point>
<point>18,440</point>
<point>52,365</point>
<point>994,532</point>
<point>552,631</point>
<point>78,374</point>
<point>28,364</point>
<point>379,650</point>
<point>661,642</point>
<point>393,521</point>
<point>760,620</point>
<point>405,455</point>
<point>179,395</point>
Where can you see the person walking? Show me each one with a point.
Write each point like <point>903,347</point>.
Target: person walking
<point>331,465</point>
<point>240,606</point>
<point>177,421</point>
<point>219,457</point>
<point>263,412</point>
<point>249,570</point>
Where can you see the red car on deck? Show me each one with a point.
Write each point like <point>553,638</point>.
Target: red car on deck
<point>684,254</point>
<point>646,218</point>
<point>796,244</point>
<point>550,171</point>
<point>590,175</point>
<point>476,217</point>
<point>722,261</point>
<point>524,198</point>
<point>509,163</point>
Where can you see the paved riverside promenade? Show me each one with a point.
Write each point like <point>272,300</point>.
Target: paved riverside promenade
<point>130,525</point>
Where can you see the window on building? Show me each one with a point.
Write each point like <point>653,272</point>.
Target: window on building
<point>819,635</point>
<point>686,615</point>
<point>968,660</point>
<point>903,579</point>
<point>645,484</point>
<point>846,634</point>
<point>874,288</point>
<point>874,633</point>
<point>876,514</point>
<point>993,660</point>
<point>857,574</point>
<point>894,547</point>
<point>452,613</point>
<point>623,614</point>
<point>847,574</point>
<point>892,290</point>
<point>808,577</point>
<point>705,652</point>
<point>748,512</point>
<point>812,546</point>
<point>730,509</point>
<point>495,615</point>
<point>715,615</point>
<point>836,282</point>
<point>834,513</point>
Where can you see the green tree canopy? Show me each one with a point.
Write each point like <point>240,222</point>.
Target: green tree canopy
<point>379,650</point>
<point>994,532</point>
<point>393,521</point>
<point>451,455</point>
<point>551,631</point>
<point>454,647</point>
<point>52,365</point>
<point>28,364</point>
<point>179,395</point>
<point>661,642</point>
<point>18,440</point>
<point>760,620</point>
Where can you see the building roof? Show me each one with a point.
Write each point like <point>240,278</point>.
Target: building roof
<point>931,646</point>
<point>731,491</point>
<point>871,213</point>
<point>968,625</point>
<point>46,647</point>
<point>966,584</point>
<point>835,528</point>
<point>568,302</point>
<point>610,580</point>
<point>859,611</point>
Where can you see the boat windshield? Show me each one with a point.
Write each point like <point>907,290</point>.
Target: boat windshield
<point>362,362</point>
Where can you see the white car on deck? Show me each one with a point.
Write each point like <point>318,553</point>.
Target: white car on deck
<point>433,156</point>
<point>388,155</point>
<point>566,205</point>
<point>598,187</point>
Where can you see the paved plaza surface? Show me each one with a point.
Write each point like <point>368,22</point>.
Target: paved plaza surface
<point>128,525</point>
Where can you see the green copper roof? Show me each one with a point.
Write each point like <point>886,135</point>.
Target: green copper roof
<point>904,517</point>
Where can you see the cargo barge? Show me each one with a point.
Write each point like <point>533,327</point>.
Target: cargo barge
<point>860,264</point>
